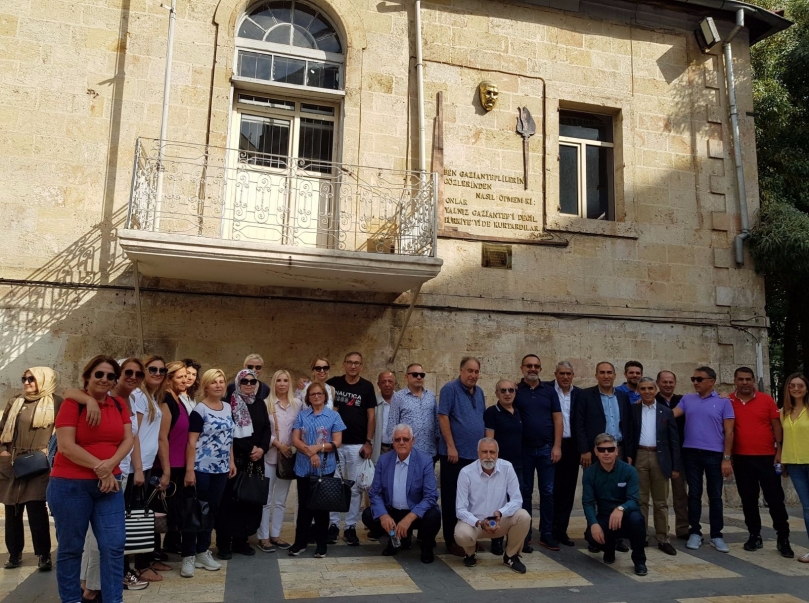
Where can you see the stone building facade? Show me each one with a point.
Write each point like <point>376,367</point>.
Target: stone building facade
<point>608,236</point>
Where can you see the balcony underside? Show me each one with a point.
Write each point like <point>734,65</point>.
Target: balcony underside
<point>246,263</point>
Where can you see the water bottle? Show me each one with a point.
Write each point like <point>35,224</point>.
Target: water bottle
<point>394,539</point>
<point>492,523</point>
<point>778,468</point>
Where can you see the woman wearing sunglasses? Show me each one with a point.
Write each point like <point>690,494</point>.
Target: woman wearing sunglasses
<point>27,426</point>
<point>84,489</point>
<point>238,521</point>
<point>794,452</point>
<point>320,374</point>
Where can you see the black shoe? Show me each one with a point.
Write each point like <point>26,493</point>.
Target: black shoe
<point>375,535</point>
<point>609,558</point>
<point>549,543</point>
<point>13,562</point>
<point>497,546</point>
<point>244,549</point>
<point>470,560</point>
<point>44,564</point>
<point>594,548</point>
<point>350,536</point>
<point>514,563</point>
<point>753,543</point>
<point>527,549</point>
<point>407,544</point>
<point>295,551</point>
<point>640,569</point>
<point>320,553</point>
<point>427,555</point>
<point>311,538</point>
<point>783,547</point>
<point>333,534</point>
<point>565,539</point>
<point>163,555</point>
<point>667,548</point>
<point>389,550</point>
<point>621,547</point>
<point>224,554</point>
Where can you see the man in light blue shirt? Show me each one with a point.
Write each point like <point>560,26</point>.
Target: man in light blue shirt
<point>416,406</point>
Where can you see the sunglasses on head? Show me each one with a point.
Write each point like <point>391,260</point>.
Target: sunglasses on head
<point>417,375</point>
<point>129,373</point>
<point>254,367</point>
<point>699,379</point>
<point>248,381</point>
<point>507,390</point>
<point>321,369</point>
<point>30,379</point>
<point>605,448</point>
<point>102,374</point>
<point>153,370</point>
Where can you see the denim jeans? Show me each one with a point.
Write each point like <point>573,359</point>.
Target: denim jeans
<point>539,460</point>
<point>76,504</point>
<point>708,463</point>
<point>800,480</point>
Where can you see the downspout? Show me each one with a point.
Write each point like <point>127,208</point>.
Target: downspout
<point>738,241</point>
<point>164,119</point>
<point>420,91</point>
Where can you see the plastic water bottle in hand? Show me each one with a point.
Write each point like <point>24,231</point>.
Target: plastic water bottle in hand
<point>394,539</point>
<point>778,468</point>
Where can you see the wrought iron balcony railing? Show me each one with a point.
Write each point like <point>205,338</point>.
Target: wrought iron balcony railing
<point>241,195</point>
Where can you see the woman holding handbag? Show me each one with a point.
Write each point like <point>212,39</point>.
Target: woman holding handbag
<point>316,435</point>
<point>239,519</point>
<point>279,462</point>
<point>26,427</point>
<point>208,465</point>
<point>85,489</point>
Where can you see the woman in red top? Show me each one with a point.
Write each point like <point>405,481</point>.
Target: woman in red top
<point>84,488</point>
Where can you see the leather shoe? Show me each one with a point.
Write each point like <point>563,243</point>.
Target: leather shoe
<point>389,550</point>
<point>497,546</point>
<point>640,569</point>
<point>594,548</point>
<point>407,543</point>
<point>13,562</point>
<point>621,547</point>
<point>565,539</point>
<point>527,549</point>
<point>456,549</point>
<point>667,548</point>
<point>244,549</point>
<point>44,564</point>
<point>427,555</point>
<point>609,558</point>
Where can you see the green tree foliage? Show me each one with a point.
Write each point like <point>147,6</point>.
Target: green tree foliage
<point>780,242</point>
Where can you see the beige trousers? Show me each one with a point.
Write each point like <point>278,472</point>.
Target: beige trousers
<point>515,527</point>
<point>652,481</point>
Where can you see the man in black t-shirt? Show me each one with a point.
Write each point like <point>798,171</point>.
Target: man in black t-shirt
<point>355,400</point>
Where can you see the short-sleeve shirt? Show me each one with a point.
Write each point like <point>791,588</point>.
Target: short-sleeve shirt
<point>352,401</point>
<point>101,441</point>
<point>752,431</point>
<point>316,429</point>
<point>149,428</point>
<point>508,432</point>
<point>704,421</point>
<point>465,412</point>
<point>215,429</point>
<point>536,408</point>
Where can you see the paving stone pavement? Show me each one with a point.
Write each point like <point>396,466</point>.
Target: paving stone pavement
<point>573,574</point>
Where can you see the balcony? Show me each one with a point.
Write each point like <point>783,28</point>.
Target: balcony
<point>234,216</point>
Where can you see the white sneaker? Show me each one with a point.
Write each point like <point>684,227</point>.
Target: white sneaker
<point>187,571</point>
<point>720,545</point>
<point>206,561</point>
<point>694,542</point>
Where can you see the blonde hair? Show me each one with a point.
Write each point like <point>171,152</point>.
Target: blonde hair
<point>272,398</point>
<point>251,357</point>
<point>171,368</point>
<point>318,359</point>
<point>209,377</point>
<point>157,395</point>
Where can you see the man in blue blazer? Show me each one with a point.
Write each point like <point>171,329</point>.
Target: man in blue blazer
<point>404,496</point>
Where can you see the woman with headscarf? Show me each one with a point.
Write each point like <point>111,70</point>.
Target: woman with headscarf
<point>237,521</point>
<point>27,425</point>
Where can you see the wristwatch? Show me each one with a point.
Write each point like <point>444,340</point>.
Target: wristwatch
<point>620,508</point>
<point>369,442</point>
<point>726,457</point>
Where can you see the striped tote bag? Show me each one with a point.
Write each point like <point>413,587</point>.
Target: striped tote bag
<point>139,531</point>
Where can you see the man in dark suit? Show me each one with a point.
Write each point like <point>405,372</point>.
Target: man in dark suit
<point>404,496</point>
<point>567,469</point>
<point>666,384</point>
<point>656,450</point>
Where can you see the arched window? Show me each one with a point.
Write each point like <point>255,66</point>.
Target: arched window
<point>289,42</point>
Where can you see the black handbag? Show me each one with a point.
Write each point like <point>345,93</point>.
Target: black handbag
<point>196,513</point>
<point>329,493</point>
<point>30,465</point>
<point>251,486</point>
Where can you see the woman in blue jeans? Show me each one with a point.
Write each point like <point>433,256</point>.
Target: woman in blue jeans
<point>794,452</point>
<point>84,488</point>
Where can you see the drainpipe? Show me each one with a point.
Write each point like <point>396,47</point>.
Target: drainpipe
<point>738,241</point>
<point>420,89</point>
<point>164,120</point>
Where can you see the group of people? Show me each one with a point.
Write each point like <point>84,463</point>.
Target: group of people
<point>151,433</point>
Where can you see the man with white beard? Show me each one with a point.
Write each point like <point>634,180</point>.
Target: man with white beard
<point>489,505</point>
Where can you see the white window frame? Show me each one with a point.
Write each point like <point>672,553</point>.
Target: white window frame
<point>579,144</point>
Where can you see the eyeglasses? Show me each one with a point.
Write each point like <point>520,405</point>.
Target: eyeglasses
<point>318,394</point>
<point>129,372</point>
<point>699,379</point>
<point>248,381</point>
<point>417,375</point>
<point>102,374</point>
<point>605,448</point>
<point>401,440</point>
<point>153,370</point>
<point>353,362</point>
<point>534,366</point>
<point>507,390</point>
<point>30,379</point>
<point>321,369</point>
<point>254,367</point>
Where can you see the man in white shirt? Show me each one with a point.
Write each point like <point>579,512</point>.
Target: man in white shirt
<point>386,382</point>
<point>567,469</point>
<point>488,504</point>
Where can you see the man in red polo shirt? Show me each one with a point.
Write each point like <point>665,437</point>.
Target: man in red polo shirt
<point>756,434</point>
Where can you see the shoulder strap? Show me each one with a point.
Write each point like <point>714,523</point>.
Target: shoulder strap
<point>274,418</point>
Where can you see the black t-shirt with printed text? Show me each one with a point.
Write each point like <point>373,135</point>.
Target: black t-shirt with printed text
<point>352,401</point>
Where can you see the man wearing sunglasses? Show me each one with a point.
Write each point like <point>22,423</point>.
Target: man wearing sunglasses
<point>541,415</point>
<point>255,363</point>
<point>404,496</point>
<point>610,497</point>
<point>416,406</point>
<point>709,421</point>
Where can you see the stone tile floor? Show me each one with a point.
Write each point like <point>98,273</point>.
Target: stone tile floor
<point>573,574</point>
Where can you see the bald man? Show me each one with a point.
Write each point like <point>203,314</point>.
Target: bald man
<point>386,382</point>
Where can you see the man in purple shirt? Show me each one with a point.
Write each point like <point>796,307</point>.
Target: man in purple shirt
<point>708,443</point>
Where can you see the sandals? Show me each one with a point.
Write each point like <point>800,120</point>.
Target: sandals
<point>280,544</point>
<point>159,566</point>
<point>149,575</point>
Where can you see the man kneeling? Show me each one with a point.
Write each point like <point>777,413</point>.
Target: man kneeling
<point>404,496</point>
<point>489,505</point>
<point>610,495</point>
